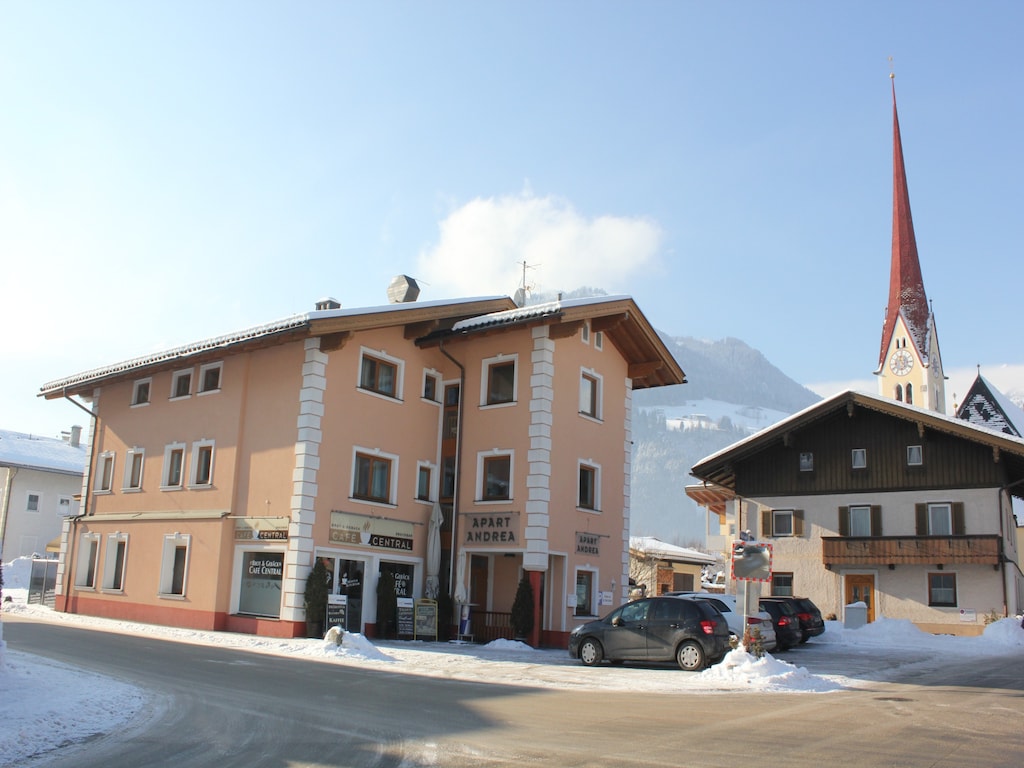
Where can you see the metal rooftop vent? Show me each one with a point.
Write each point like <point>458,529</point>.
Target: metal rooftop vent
<point>403,289</point>
<point>327,303</point>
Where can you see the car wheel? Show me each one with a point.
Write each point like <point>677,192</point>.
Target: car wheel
<point>690,656</point>
<point>591,652</point>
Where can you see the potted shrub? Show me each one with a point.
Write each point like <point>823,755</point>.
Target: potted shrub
<point>522,610</point>
<point>315,599</point>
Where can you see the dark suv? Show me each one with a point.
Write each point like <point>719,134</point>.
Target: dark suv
<point>811,623</point>
<point>786,621</point>
<point>693,633</point>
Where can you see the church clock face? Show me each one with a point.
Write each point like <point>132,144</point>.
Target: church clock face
<point>901,362</point>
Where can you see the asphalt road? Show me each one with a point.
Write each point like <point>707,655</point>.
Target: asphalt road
<point>224,708</point>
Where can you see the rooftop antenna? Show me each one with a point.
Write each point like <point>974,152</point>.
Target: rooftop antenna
<point>520,298</point>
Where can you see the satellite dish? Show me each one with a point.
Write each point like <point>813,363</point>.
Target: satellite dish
<point>403,289</point>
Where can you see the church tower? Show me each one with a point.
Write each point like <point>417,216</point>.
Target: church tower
<point>909,366</point>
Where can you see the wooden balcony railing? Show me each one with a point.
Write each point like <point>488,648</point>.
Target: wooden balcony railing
<point>910,550</point>
<point>490,625</point>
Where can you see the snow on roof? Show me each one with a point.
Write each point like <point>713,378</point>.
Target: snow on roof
<point>1013,413</point>
<point>18,449</point>
<point>653,546</point>
<point>520,314</point>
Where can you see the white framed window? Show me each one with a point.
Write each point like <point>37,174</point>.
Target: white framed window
<point>104,473</point>
<point>915,456</point>
<point>599,340</point>
<point>585,333</point>
<point>586,581</point>
<point>498,385</point>
<point>782,522</point>
<point>114,562</point>
<point>806,461</point>
<point>940,519</point>
<point>64,505</point>
<point>494,469</point>
<point>181,384</point>
<point>374,476</point>
<point>589,490</point>
<point>209,377</point>
<point>860,520</point>
<point>859,458</point>
<point>942,590</point>
<point>202,464</point>
<point>133,462</point>
<point>425,472</point>
<point>174,466</point>
<point>591,385</point>
<point>32,499</point>
<point>140,392</point>
<point>174,564</point>
<point>431,387</point>
<point>88,558</point>
<point>380,373</point>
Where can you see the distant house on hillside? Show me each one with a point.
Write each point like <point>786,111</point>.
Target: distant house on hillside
<point>661,567</point>
<point>40,478</point>
<point>869,499</point>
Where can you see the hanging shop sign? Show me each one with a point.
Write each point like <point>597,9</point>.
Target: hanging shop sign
<point>261,529</point>
<point>380,533</point>
<point>588,543</point>
<point>492,528</point>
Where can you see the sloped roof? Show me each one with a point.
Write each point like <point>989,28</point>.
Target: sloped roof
<point>718,468</point>
<point>18,449</point>
<point>987,407</point>
<point>649,545</point>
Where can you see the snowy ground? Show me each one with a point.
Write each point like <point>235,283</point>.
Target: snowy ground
<point>31,712</point>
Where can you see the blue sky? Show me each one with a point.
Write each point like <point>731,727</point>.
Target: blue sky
<point>173,171</point>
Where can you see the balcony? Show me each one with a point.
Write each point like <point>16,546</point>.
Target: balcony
<point>910,550</point>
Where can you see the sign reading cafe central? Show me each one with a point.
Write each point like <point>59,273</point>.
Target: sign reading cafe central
<point>375,532</point>
<point>494,528</point>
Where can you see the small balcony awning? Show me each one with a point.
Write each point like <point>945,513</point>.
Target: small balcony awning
<point>713,497</point>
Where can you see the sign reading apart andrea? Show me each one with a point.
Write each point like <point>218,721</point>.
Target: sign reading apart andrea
<point>261,529</point>
<point>367,531</point>
<point>492,528</point>
<point>588,543</point>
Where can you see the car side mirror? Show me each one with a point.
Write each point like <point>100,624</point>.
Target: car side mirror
<point>617,621</point>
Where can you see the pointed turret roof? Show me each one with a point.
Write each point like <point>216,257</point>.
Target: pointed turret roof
<point>906,286</point>
<point>986,406</point>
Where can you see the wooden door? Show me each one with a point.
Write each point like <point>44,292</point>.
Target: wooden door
<point>860,588</point>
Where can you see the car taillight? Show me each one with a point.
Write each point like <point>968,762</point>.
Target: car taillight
<point>754,620</point>
<point>784,621</point>
<point>804,616</point>
<point>707,626</point>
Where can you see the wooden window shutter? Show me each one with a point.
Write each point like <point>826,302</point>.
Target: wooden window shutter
<point>798,522</point>
<point>876,520</point>
<point>844,521</point>
<point>922,519</point>
<point>766,522</point>
<point>958,519</point>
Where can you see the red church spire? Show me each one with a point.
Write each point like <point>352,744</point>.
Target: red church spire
<point>906,287</point>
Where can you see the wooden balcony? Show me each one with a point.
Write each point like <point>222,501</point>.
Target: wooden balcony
<point>910,550</point>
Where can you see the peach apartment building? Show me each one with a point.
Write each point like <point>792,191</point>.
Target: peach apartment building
<point>218,471</point>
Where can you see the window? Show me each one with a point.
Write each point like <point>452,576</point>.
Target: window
<point>64,506</point>
<point>379,375</point>
<point>860,520</point>
<point>782,584</point>
<point>910,394</point>
<point>424,480</point>
<point>806,462</point>
<point>140,392</point>
<point>915,457</point>
<point>499,381</point>
<point>88,557</point>
<point>590,394</point>
<point>32,502</point>
<point>942,590</point>
<point>447,477</point>
<point>496,475</point>
<point>599,340</point>
<point>585,593</point>
<point>899,392</point>
<point>209,377</point>
<point>133,470</point>
<point>105,472</point>
<point>113,568</point>
<point>859,458</point>
<point>782,522</point>
<point>202,463</point>
<point>174,564</point>
<point>372,478</point>
<point>431,387</point>
<point>586,332</point>
<point>590,487</point>
<point>181,384</point>
<point>174,465</point>
<point>940,519</point>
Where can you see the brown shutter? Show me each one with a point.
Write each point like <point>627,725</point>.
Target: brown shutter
<point>798,522</point>
<point>922,519</point>
<point>958,519</point>
<point>844,521</point>
<point>876,520</point>
<point>766,522</point>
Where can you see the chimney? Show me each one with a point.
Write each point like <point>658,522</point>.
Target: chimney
<point>76,436</point>
<point>327,303</point>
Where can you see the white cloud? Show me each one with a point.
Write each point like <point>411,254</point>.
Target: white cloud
<point>483,244</point>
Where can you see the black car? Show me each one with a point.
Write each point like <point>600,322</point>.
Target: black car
<point>693,633</point>
<point>811,623</point>
<point>787,623</point>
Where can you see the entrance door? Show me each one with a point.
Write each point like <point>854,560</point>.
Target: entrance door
<point>350,584</point>
<point>860,588</point>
